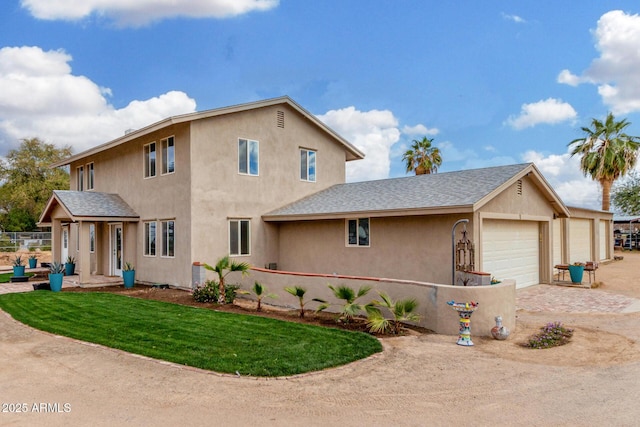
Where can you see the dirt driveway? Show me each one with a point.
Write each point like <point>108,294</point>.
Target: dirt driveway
<point>416,381</point>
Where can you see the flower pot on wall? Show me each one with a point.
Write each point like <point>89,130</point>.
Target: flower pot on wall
<point>55,281</point>
<point>576,272</point>
<point>129,277</point>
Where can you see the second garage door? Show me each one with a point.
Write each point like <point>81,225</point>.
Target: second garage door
<point>511,250</point>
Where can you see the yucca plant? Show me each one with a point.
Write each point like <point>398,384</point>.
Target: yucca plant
<point>350,308</point>
<point>298,292</point>
<point>56,268</point>
<point>401,310</point>
<point>223,267</point>
<point>260,291</point>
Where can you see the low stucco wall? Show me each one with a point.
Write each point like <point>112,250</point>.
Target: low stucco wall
<point>436,315</point>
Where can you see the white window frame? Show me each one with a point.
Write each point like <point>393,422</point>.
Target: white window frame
<point>357,244</point>
<point>164,143</point>
<point>146,159</point>
<point>147,240</point>
<point>240,222</point>
<point>164,252</point>
<point>90,176</point>
<point>306,165</point>
<point>80,178</point>
<point>246,155</point>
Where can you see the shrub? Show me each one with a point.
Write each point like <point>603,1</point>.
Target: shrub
<point>298,292</point>
<point>401,310</point>
<point>210,291</point>
<point>551,335</point>
<point>350,307</point>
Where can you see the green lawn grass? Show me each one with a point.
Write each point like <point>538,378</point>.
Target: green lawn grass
<point>6,277</point>
<point>217,341</point>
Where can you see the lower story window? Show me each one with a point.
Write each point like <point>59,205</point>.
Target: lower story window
<point>150,238</point>
<point>358,232</point>
<point>239,236</point>
<point>168,238</point>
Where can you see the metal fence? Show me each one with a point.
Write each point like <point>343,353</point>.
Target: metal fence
<point>24,241</point>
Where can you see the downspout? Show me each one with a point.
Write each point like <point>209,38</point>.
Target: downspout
<point>453,250</point>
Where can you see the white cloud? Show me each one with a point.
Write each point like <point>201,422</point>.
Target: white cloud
<point>616,70</point>
<point>549,111</point>
<point>141,12</point>
<point>515,18</point>
<point>374,132</point>
<point>40,97</point>
<point>564,174</point>
<point>419,129</point>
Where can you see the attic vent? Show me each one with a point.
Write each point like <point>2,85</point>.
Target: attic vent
<point>519,187</point>
<point>280,119</point>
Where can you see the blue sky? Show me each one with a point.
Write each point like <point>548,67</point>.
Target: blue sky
<point>492,82</point>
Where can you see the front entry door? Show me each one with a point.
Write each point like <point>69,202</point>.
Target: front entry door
<point>116,250</point>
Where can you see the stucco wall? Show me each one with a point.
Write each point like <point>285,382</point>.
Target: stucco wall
<point>436,315</point>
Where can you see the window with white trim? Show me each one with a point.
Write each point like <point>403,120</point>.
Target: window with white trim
<point>239,237</point>
<point>90,176</point>
<point>248,157</point>
<point>307,165</point>
<point>150,238</point>
<point>358,232</point>
<point>168,238</point>
<point>150,160</point>
<point>168,155</point>
<point>80,178</point>
<point>92,237</point>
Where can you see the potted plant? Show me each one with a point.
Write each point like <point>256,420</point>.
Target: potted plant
<point>70,266</point>
<point>18,266</point>
<point>33,261</point>
<point>576,270</point>
<point>56,276</point>
<point>129,275</point>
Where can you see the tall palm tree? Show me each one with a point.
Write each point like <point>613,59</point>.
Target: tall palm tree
<point>607,153</point>
<point>422,158</point>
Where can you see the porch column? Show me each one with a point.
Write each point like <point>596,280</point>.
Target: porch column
<point>85,254</point>
<point>56,233</point>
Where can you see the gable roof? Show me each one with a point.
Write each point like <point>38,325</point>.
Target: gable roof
<point>448,192</point>
<point>353,153</point>
<point>89,206</point>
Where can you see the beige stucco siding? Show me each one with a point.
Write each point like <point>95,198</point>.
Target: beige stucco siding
<point>219,192</point>
<point>410,248</point>
<point>529,203</point>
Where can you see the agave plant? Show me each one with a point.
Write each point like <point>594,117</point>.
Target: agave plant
<point>401,310</point>
<point>56,268</point>
<point>350,307</point>
<point>261,292</point>
<point>17,261</point>
<point>298,292</point>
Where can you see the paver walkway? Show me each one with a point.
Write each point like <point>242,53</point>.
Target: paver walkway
<point>573,300</point>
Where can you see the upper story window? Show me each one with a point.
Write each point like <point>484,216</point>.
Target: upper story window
<point>358,232</point>
<point>90,176</point>
<point>80,178</point>
<point>307,165</point>
<point>248,157</point>
<point>150,160</point>
<point>168,155</point>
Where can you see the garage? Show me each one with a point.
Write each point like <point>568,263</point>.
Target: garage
<point>580,240</point>
<point>510,250</point>
<point>604,240</point>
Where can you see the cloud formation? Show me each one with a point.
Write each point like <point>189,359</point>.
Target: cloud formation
<point>141,12</point>
<point>40,97</point>
<point>548,111</point>
<point>615,72</point>
<point>374,132</point>
<point>420,129</point>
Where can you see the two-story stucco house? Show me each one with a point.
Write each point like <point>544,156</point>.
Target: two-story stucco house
<point>192,188</point>
<point>265,183</point>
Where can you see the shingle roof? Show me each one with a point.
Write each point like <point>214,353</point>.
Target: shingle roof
<point>440,190</point>
<point>94,204</point>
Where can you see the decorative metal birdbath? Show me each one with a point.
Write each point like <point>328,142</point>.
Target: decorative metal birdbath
<point>465,310</point>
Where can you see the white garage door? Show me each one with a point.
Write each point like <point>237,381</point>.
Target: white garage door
<point>580,240</point>
<point>510,250</point>
<point>604,240</point>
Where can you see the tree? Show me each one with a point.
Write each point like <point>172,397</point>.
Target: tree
<point>626,195</point>
<point>350,308</point>
<point>298,292</point>
<point>607,153</point>
<point>401,310</point>
<point>223,267</point>
<point>422,158</point>
<point>27,182</point>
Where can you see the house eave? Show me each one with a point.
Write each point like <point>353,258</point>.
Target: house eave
<point>371,214</point>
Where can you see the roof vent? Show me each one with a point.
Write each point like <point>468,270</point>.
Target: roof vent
<point>280,119</point>
<point>519,187</point>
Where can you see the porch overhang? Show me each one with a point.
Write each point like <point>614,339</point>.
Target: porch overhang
<point>81,206</point>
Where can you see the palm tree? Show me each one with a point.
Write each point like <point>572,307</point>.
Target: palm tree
<point>422,158</point>
<point>401,310</point>
<point>298,292</point>
<point>607,153</point>
<point>350,308</point>
<point>223,267</point>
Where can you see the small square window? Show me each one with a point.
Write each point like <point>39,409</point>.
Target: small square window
<point>358,232</point>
